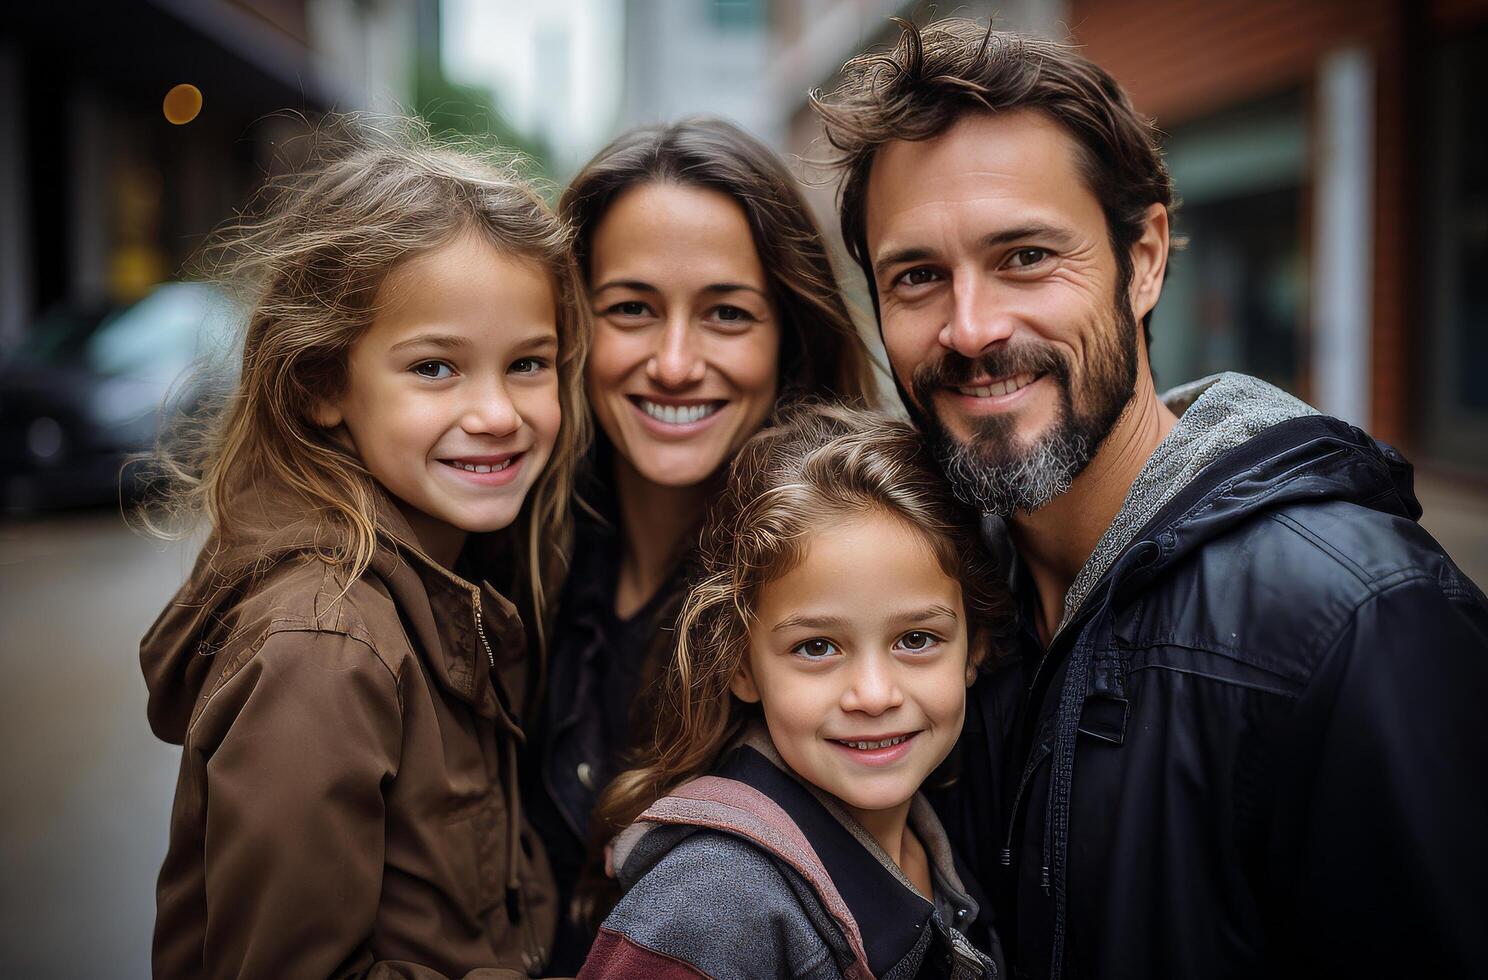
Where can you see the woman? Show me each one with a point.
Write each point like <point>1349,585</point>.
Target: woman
<point>714,300</point>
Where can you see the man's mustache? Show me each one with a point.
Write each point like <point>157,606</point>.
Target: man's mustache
<point>954,370</point>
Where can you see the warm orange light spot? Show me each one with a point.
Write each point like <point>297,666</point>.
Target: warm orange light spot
<point>182,103</point>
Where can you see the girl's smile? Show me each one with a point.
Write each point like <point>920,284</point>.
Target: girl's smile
<point>451,396</point>
<point>859,658</point>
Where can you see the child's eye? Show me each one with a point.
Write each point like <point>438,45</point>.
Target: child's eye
<point>917,641</point>
<point>433,370</point>
<point>528,365</point>
<point>815,649</point>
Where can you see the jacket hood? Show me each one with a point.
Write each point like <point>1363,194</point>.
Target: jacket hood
<point>177,652</point>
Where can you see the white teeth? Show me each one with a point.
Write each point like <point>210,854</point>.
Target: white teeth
<point>876,745</point>
<point>481,467</point>
<point>1006,387</point>
<point>677,414</point>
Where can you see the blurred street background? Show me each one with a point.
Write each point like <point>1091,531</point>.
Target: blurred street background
<point>1330,155</point>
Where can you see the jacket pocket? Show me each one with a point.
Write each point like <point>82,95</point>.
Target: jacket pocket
<point>477,839</point>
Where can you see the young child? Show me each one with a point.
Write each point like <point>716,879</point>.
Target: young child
<point>820,675</point>
<point>346,688</point>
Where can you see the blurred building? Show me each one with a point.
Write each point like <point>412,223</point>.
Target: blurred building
<point>102,195</point>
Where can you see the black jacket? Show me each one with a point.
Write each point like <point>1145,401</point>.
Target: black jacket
<point>1257,748</point>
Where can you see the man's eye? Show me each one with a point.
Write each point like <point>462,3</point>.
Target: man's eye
<point>433,370</point>
<point>918,277</point>
<point>816,649</point>
<point>1026,257</point>
<point>918,641</point>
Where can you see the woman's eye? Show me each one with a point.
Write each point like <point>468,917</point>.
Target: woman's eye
<point>918,641</point>
<point>433,370</point>
<point>733,314</point>
<point>1023,258</point>
<point>528,365</point>
<point>631,307</point>
<point>817,649</point>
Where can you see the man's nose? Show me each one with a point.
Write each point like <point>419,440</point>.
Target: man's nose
<point>676,362</point>
<point>979,318</point>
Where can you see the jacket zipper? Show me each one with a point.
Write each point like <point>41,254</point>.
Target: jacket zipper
<point>480,629</point>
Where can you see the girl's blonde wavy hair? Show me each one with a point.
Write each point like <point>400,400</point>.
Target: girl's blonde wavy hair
<point>820,464</point>
<point>311,252</point>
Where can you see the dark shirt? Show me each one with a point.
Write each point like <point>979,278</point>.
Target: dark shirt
<point>598,667</point>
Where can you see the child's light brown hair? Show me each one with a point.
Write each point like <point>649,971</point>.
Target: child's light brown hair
<point>311,253</point>
<point>820,464</point>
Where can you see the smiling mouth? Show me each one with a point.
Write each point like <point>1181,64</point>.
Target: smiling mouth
<point>683,414</point>
<point>883,743</point>
<point>486,465</point>
<point>999,387</point>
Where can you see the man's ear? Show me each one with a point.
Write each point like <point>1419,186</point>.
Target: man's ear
<point>743,684</point>
<point>1149,257</point>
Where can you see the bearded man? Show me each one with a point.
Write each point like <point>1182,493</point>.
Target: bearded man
<point>1240,733</point>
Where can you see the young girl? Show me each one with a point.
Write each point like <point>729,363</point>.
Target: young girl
<point>819,678</point>
<point>346,688</point>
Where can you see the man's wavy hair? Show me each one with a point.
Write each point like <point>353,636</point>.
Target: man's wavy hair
<point>933,77</point>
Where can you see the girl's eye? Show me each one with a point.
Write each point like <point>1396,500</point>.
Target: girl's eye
<point>528,365</point>
<point>918,641</point>
<point>433,370</point>
<point>815,649</point>
<point>1024,258</point>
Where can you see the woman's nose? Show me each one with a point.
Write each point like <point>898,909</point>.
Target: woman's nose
<point>676,362</point>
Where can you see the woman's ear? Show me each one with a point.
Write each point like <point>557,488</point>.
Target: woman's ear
<point>326,414</point>
<point>743,684</point>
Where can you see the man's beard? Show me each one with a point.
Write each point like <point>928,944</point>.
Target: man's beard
<point>996,473</point>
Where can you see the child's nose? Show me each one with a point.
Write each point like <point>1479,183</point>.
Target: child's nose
<point>491,412</point>
<point>873,688</point>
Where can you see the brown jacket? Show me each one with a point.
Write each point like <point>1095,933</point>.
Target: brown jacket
<point>347,804</point>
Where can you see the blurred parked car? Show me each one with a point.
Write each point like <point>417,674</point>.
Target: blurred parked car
<point>86,390</point>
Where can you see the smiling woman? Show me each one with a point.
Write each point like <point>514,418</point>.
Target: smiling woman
<point>714,299</point>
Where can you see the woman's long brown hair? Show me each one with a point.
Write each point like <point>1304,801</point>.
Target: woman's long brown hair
<point>311,254</point>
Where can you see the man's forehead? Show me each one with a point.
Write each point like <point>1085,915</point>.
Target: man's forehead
<point>1021,158</point>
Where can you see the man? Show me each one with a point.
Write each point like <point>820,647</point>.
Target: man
<point>1239,733</point>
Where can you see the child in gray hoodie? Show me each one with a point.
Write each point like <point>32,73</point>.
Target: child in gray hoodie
<point>775,828</point>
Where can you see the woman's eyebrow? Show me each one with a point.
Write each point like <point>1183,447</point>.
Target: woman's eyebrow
<point>635,284</point>
<point>732,287</point>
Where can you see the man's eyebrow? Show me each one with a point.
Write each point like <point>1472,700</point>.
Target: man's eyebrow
<point>1061,237</point>
<point>1058,237</point>
<point>443,341</point>
<point>915,253</point>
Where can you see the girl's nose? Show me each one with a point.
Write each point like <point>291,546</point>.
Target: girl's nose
<point>676,362</point>
<point>873,688</point>
<point>491,412</point>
